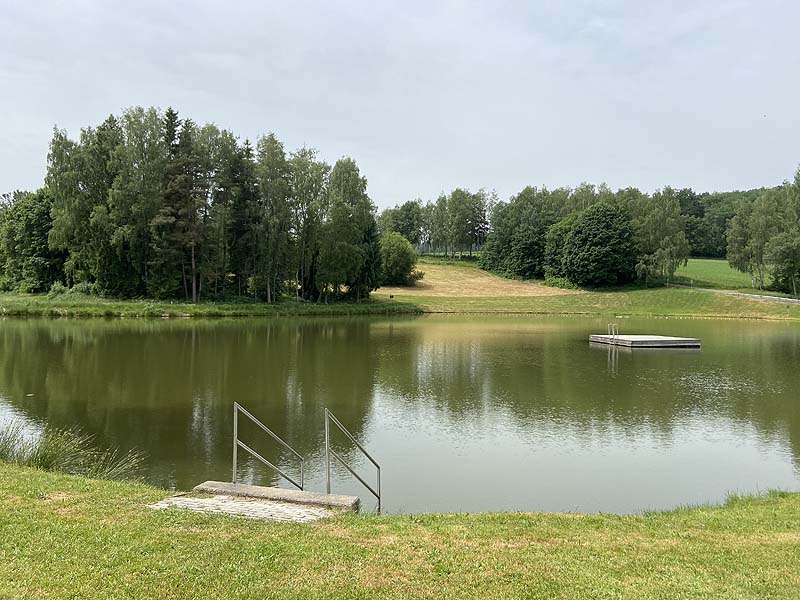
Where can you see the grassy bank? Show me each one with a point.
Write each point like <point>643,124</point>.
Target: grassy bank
<point>450,286</point>
<point>77,305</point>
<point>64,536</point>
<point>453,288</point>
<point>634,302</point>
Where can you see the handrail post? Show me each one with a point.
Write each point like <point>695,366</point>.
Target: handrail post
<point>327,454</point>
<point>235,438</point>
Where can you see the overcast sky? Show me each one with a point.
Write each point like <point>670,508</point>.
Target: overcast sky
<point>427,96</point>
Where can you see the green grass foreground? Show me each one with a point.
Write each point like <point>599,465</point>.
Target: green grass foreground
<point>71,537</point>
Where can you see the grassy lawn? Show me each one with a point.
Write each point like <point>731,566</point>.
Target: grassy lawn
<point>453,287</point>
<point>637,302</point>
<point>70,537</point>
<point>462,289</point>
<point>713,273</point>
<point>440,259</point>
<point>459,281</point>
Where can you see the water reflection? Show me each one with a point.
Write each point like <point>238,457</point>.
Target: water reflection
<point>466,413</point>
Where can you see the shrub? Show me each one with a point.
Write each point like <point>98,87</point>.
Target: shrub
<point>84,288</point>
<point>57,289</point>
<point>560,282</point>
<point>600,247</point>
<point>398,259</point>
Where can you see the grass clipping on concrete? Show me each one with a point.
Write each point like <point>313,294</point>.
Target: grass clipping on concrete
<point>65,536</point>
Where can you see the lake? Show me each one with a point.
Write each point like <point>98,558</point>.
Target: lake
<point>464,413</point>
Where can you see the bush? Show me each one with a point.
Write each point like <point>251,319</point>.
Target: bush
<point>560,282</point>
<point>398,259</point>
<point>600,248</point>
<point>57,289</point>
<point>84,288</point>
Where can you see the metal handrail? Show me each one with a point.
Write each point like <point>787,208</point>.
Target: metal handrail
<point>613,330</point>
<point>237,443</point>
<point>329,416</point>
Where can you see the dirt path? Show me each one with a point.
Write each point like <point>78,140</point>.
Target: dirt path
<point>446,281</point>
<point>743,294</point>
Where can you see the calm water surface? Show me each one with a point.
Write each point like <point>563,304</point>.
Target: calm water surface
<point>465,413</point>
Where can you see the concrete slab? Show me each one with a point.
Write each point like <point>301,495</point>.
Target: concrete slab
<point>645,341</point>
<point>246,507</point>
<point>331,501</point>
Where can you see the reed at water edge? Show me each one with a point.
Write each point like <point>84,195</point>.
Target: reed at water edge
<point>66,451</point>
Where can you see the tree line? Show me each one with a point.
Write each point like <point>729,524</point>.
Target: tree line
<point>455,222</point>
<point>543,233</point>
<point>148,204</point>
<point>764,238</point>
<point>588,236</point>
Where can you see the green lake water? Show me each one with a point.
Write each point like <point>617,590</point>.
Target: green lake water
<point>464,413</point>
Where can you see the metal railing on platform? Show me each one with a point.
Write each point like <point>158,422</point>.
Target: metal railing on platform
<point>329,417</point>
<point>237,443</point>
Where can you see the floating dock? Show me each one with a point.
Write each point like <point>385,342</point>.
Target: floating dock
<point>645,341</point>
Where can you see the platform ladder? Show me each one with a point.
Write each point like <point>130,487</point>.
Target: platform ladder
<point>613,349</point>
<point>237,443</point>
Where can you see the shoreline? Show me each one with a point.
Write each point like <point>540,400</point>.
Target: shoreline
<point>741,308</point>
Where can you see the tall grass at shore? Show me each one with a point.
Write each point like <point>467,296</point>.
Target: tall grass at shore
<point>66,451</point>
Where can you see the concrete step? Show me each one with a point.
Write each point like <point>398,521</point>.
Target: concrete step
<point>330,501</point>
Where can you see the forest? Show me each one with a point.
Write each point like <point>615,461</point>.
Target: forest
<point>151,205</point>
